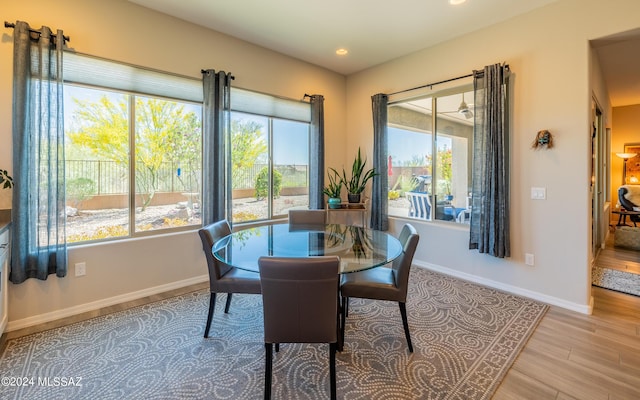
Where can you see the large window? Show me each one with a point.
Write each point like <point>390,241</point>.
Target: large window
<point>270,166</point>
<point>133,146</point>
<point>134,151</point>
<point>133,163</point>
<point>270,155</point>
<point>430,158</point>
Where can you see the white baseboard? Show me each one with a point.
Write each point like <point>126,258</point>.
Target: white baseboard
<point>96,305</point>
<point>71,311</point>
<point>3,323</point>
<point>581,308</point>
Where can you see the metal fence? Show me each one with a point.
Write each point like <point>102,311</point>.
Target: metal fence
<point>110,177</point>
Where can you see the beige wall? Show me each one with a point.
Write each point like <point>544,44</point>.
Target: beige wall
<point>120,30</point>
<point>553,82</point>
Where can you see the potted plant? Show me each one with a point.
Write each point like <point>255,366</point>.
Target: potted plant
<point>359,178</point>
<point>333,189</point>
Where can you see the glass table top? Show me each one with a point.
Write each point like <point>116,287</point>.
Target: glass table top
<point>358,248</point>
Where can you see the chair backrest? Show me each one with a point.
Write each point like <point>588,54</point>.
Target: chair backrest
<point>629,196</point>
<point>402,265</point>
<point>300,299</point>
<point>419,205</point>
<point>209,235</point>
<point>307,217</point>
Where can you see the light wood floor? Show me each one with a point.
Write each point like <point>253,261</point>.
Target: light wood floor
<point>617,258</point>
<point>577,356</point>
<point>569,356</point>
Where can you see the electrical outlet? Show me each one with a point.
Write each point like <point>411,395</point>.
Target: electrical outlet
<point>81,269</point>
<point>528,259</point>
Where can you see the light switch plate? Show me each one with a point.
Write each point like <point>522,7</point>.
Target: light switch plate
<point>538,193</point>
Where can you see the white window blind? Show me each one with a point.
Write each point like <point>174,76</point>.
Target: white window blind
<point>94,71</point>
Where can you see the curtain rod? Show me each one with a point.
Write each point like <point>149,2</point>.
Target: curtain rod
<point>10,25</point>
<point>204,71</point>
<point>430,85</point>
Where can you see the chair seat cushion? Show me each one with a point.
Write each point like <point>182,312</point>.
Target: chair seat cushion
<point>376,283</point>
<point>239,281</point>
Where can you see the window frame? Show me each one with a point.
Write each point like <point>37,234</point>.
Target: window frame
<point>131,168</point>
<point>271,165</point>
<point>433,132</point>
<point>95,72</point>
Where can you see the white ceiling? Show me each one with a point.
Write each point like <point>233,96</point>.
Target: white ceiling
<point>377,31</point>
<point>373,31</point>
<point>619,57</point>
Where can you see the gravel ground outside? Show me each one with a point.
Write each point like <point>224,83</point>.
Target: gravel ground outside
<point>87,222</point>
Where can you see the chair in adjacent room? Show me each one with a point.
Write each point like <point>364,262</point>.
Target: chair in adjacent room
<point>224,278</point>
<point>384,283</point>
<point>307,218</point>
<point>300,302</point>
<point>629,199</point>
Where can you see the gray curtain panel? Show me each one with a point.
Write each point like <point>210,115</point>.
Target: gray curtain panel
<point>38,247</point>
<point>216,161</point>
<point>316,143</point>
<point>380,186</point>
<point>489,230</point>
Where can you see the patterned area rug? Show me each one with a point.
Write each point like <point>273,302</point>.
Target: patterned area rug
<point>621,281</point>
<point>465,339</point>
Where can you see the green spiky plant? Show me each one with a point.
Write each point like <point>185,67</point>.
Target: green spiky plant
<point>359,177</point>
<point>333,189</point>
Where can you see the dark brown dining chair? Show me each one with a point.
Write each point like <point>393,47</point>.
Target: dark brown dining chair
<point>307,217</point>
<point>300,302</point>
<point>383,283</point>
<point>224,278</point>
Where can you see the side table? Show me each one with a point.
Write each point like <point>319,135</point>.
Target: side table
<point>622,216</point>
<point>348,214</point>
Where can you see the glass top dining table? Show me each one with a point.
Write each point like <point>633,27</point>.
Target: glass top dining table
<point>358,248</point>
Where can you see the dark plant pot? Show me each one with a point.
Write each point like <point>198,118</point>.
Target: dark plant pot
<point>354,198</point>
<point>334,202</point>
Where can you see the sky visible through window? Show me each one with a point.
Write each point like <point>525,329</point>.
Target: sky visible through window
<point>407,146</point>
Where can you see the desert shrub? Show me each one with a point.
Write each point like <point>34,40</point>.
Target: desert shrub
<point>241,216</point>
<point>174,222</point>
<point>262,182</point>
<point>102,232</point>
<point>80,189</point>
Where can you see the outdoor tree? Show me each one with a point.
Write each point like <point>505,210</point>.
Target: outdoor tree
<point>248,145</point>
<point>444,169</point>
<point>102,127</point>
<point>164,132</point>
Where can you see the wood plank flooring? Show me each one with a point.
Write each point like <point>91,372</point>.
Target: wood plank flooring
<point>617,258</point>
<point>577,356</point>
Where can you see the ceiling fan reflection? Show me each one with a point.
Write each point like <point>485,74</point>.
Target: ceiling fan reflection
<point>463,109</point>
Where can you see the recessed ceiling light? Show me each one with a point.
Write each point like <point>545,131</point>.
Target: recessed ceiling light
<point>342,52</point>
<point>456,2</point>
